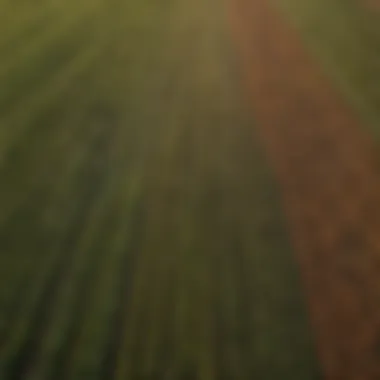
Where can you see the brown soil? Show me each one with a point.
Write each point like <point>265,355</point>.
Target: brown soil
<point>373,5</point>
<point>328,170</point>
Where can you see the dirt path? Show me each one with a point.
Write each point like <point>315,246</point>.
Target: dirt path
<point>329,174</point>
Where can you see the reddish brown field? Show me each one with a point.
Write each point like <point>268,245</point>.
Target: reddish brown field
<point>328,170</point>
<point>373,4</point>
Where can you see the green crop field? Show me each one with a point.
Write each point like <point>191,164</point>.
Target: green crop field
<point>344,36</point>
<point>141,234</point>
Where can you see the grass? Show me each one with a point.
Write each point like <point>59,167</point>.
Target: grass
<point>345,37</point>
<point>141,234</point>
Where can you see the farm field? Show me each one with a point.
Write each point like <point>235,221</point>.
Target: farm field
<point>141,229</point>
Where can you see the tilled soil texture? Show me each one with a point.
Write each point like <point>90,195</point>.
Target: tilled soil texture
<point>328,170</point>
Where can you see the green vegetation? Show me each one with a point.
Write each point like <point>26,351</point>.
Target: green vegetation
<point>345,37</point>
<point>140,230</point>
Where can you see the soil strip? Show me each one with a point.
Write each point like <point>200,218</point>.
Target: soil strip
<point>328,171</point>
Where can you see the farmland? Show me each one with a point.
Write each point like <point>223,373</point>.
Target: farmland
<point>141,231</point>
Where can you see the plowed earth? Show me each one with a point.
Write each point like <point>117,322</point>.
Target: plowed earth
<point>328,170</point>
